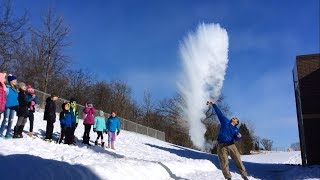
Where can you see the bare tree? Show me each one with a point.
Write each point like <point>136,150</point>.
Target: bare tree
<point>147,107</point>
<point>267,144</point>
<point>101,95</point>
<point>256,143</point>
<point>295,146</point>
<point>52,38</point>
<point>79,85</point>
<point>11,33</point>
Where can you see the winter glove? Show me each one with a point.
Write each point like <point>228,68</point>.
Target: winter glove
<point>94,130</point>
<point>118,133</point>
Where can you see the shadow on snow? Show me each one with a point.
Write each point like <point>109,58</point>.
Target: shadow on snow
<point>24,166</point>
<point>257,170</point>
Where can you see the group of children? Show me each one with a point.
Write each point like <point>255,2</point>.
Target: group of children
<point>16,97</point>
<point>69,121</point>
<point>20,98</point>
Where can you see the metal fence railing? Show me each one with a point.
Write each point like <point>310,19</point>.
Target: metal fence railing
<point>125,124</point>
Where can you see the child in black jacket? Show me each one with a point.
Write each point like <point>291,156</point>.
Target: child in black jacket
<point>22,111</point>
<point>50,115</point>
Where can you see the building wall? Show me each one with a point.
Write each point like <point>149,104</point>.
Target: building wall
<point>307,91</point>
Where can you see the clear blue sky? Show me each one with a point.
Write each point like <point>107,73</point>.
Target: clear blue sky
<point>137,41</point>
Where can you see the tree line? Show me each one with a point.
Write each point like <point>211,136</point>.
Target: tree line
<point>36,55</point>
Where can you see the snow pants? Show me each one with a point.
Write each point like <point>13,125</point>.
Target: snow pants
<point>224,150</point>
<point>49,130</point>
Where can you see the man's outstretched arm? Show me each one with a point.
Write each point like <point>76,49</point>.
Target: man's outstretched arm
<point>222,118</point>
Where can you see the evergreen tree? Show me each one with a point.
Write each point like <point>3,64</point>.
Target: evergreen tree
<point>246,143</point>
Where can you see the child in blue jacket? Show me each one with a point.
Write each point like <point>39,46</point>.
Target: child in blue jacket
<point>99,127</point>
<point>66,124</point>
<point>113,126</point>
<point>11,106</point>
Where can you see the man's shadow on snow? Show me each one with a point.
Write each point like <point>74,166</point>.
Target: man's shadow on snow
<point>257,170</point>
<point>24,166</point>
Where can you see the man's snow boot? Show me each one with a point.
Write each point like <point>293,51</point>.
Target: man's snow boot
<point>96,142</point>
<point>102,144</point>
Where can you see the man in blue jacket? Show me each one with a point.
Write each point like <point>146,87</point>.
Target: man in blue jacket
<point>227,134</point>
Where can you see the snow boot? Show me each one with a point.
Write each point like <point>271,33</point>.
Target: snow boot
<point>245,178</point>
<point>15,132</point>
<point>84,140</point>
<point>20,130</point>
<point>102,144</point>
<point>88,141</point>
<point>112,146</point>
<point>96,142</point>
<point>30,134</point>
<point>60,141</point>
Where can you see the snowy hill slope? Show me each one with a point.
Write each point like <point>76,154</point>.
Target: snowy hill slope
<point>136,157</point>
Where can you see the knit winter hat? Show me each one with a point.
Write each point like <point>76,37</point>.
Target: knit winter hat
<point>21,84</point>
<point>11,78</point>
<point>101,113</point>
<point>30,90</point>
<point>72,99</point>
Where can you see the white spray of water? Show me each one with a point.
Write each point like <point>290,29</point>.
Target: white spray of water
<point>204,55</point>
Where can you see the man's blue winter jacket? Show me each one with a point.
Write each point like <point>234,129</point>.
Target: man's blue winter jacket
<point>228,133</point>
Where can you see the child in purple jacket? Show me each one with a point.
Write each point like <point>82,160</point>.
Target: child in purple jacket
<point>88,122</point>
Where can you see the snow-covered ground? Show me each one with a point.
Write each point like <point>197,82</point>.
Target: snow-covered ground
<point>274,157</point>
<point>136,157</point>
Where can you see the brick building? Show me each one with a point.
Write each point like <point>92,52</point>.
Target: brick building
<point>306,76</point>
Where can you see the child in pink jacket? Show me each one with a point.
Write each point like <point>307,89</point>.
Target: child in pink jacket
<point>88,122</point>
<point>3,93</point>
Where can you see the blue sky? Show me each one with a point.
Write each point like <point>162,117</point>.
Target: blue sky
<point>137,42</point>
